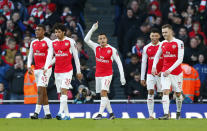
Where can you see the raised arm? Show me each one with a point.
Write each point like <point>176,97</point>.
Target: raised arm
<point>116,57</point>
<point>180,56</point>
<point>88,40</point>
<point>75,55</point>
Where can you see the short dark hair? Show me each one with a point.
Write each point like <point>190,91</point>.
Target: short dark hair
<point>18,54</point>
<point>41,26</point>
<point>155,30</point>
<point>101,34</point>
<point>59,26</point>
<point>167,26</point>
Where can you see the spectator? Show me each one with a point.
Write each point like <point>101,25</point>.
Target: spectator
<point>76,28</point>
<point>15,78</point>
<point>51,16</point>
<point>201,67</point>
<point>135,90</point>
<point>66,12</point>
<point>188,23</point>
<point>8,55</point>
<point>38,13</point>
<point>197,30</point>
<point>154,9</point>
<point>84,95</point>
<point>192,52</point>
<point>126,22</point>
<point>183,35</point>
<point>191,83</point>
<point>139,15</point>
<point>138,47</point>
<point>133,67</point>
<point>24,50</point>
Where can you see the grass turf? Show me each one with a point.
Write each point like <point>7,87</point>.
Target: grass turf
<point>103,125</point>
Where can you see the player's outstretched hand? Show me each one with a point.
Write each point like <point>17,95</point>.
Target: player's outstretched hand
<point>143,83</point>
<point>30,71</point>
<point>123,81</point>
<point>79,76</point>
<point>95,26</point>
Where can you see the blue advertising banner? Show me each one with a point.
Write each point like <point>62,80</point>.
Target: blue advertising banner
<point>88,111</point>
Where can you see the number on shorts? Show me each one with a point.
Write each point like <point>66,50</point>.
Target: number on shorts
<point>67,81</point>
<point>44,79</point>
<point>107,82</point>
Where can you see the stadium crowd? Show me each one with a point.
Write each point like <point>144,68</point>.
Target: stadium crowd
<point>133,21</point>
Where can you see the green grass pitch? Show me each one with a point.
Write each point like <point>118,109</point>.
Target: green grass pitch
<point>103,125</point>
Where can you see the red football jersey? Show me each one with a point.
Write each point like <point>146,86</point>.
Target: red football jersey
<point>103,61</point>
<point>40,50</point>
<point>63,55</point>
<point>170,51</point>
<point>151,51</point>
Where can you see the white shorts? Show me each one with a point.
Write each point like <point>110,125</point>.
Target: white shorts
<point>176,81</point>
<point>152,81</point>
<point>42,80</point>
<point>103,83</point>
<point>63,80</point>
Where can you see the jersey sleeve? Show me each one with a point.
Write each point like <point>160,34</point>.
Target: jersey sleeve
<point>144,63</point>
<point>75,55</point>
<point>157,56</point>
<point>117,59</point>
<point>89,42</point>
<point>180,56</point>
<point>49,54</point>
<point>30,56</point>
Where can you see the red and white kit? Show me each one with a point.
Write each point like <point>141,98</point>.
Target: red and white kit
<point>104,59</point>
<point>39,49</point>
<point>149,52</point>
<point>173,53</point>
<point>63,50</point>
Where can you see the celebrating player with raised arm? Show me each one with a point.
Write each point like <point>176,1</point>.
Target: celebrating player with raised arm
<point>105,54</point>
<point>39,49</point>
<point>148,54</point>
<point>63,48</point>
<point>172,50</point>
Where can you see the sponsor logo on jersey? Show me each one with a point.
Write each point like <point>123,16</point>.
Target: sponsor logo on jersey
<point>168,54</point>
<point>108,51</point>
<point>173,46</point>
<point>102,60</point>
<point>66,43</point>
<point>60,53</point>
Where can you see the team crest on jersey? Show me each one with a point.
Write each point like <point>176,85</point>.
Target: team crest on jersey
<point>149,49</point>
<point>66,43</point>
<point>173,46</point>
<point>108,51</point>
<point>43,44</point>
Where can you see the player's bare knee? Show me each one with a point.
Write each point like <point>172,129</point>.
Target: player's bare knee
<point>151,92</point>
<point>178,94</point>
<point>104,93</point>
<point>63,91</point>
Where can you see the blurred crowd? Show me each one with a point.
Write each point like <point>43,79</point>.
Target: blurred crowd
<point>133,21</point>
